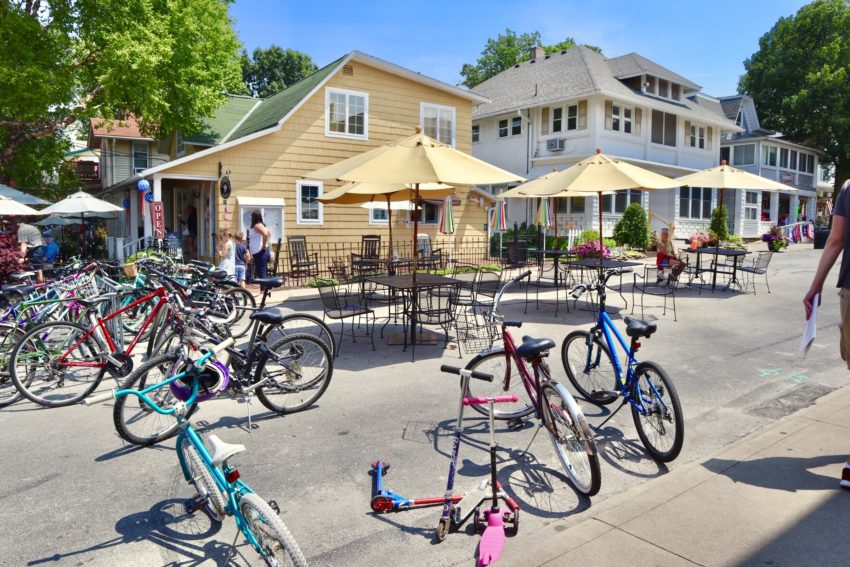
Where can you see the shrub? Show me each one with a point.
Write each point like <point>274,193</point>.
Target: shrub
<point>587,236</point>
<point>720,223</point>
<point>10,253</point>
<point>633,228</point>
<point>590,249</point>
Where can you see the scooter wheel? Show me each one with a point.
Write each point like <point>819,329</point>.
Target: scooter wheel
<point>513,522</point>
<point>477,521</point>
<point>382,503</point>
<point>442,530</point>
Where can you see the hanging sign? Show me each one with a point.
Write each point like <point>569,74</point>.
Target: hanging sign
<point>158,219</point>
<point>225,187</point>
<point>787,177</point>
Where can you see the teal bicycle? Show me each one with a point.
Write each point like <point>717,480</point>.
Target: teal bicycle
<point>221,492</point>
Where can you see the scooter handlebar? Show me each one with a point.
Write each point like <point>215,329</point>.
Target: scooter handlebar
<point>100,398</point>
<point>466,373</point>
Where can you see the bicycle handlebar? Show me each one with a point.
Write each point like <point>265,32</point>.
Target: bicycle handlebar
<point>466,373</point>
<point>600,284</point>
<point>484,401</point>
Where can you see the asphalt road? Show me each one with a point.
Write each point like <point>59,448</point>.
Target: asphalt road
<point>75,494</point>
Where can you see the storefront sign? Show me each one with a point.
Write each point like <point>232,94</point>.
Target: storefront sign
<point>158,219</point>
<point>788,177</point>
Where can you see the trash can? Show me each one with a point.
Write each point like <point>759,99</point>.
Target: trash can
<point>820,239</point>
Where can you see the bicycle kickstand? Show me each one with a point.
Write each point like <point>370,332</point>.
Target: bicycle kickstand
<point>613,413</point>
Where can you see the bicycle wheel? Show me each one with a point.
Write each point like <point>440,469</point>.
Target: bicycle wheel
<point>301,323</point>
<point>572,439</point>
<point>662,428</point>
<point>132,319</point>
<point>589,367</point>
<point>203,481</point>
<point>237,298</point>
<point>40,376</point>
<point>272,536</point>
<point>297,370</point>
<point>9,335</point>
<point>506,381</point>
<point>135,421</point>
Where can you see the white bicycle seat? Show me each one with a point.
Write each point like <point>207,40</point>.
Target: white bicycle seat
<point>222,451</point>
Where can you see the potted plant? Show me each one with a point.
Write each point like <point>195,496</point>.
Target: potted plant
<point>591,249</point>
<point>774,239</point>
<point>699,238</point>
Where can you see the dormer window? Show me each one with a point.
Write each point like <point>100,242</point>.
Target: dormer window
<point>662,88</point>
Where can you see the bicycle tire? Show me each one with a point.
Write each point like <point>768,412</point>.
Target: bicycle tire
<point>572,439</point>
<point>241,298</point>
<point>270,532</point>
<point>9,335</point>
<point>286,366</point>
<point>132,319</point>
<point>506,381</point>
<point>648,393</point>
<point>590,384</point>
<point>28,357</point>
<point>300,323</point>
<point>135,421</point>
<point>203,481</point>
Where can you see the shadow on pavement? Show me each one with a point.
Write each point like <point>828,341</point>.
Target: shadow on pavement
<point>779,473</point>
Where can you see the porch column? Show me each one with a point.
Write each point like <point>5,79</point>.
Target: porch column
<point>133,229</point>
<point>740,211</point>
<point>792,213</point>
<point>774,208</point>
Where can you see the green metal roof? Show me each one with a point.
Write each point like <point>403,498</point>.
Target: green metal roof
<point>274,108</point>
<point>226,117</point>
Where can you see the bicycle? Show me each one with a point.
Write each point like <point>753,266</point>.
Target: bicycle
<point>221,491</point>
<point>550,402</point>
<point>288,376</point>
<point>590,363</point>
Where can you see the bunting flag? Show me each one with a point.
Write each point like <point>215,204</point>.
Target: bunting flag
<point>447,222</point>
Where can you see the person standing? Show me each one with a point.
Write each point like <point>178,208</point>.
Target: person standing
<point>32,248</point>
<point>227,253</point>
<point>258,245</point>
<point>191,230</point>
<point>242,258</point>
<point>838,242</point>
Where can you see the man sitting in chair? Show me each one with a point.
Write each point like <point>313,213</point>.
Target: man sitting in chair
<point>666,257</point>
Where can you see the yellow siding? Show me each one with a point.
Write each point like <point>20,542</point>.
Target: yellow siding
<point>270,165</point>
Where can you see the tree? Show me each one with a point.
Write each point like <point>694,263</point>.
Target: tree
<point>64,61</point>
<point>799,80</point>
<point>504,52</point>
<point>633,228</point>
<point>719,227</point>
<point>271,70</point>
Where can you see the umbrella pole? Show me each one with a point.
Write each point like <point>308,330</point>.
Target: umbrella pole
<point>720,215</point>
<point>555,199</point>
<point>601,246</point>
<point>390,224</point>
<point>414,299</point>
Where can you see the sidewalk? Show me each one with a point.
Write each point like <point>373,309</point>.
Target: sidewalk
<point>772,498</point>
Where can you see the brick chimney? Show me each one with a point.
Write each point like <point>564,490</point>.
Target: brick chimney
<point>538,53</point>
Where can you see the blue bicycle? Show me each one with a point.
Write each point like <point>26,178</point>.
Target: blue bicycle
<point>590,360</point>
<point>220,491</point>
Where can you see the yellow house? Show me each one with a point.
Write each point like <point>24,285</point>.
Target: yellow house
<point>350,106</point>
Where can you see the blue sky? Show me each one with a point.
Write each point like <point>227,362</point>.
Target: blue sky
<point>706,42</point>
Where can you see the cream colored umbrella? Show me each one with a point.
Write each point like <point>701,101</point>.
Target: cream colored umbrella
<point>599,174</point>
<point>416,160</point>
<point>359,193</point>
<point>9,207</point>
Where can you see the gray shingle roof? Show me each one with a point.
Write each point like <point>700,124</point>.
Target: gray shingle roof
<point>576,72</point>
<point>632,64</point>
<point>731,105</point>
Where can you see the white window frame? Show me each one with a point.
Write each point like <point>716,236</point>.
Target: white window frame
<point>268,208</point>
<point>690,198</point>
<point>735,161</point>
<point>386,221</point>
<point>766,152</point>
<point>298,185</point>
<point>754,206</point>
<point>137,169</point>
<point>516,122</point>
<point>423,222</point>
<point>476,133</point>
<point>507,128</point>
<point>634,196</point>
<point>793,159</point>
<point>438,108</point>
<point>696,138</point>
<point>801,162</point>
<point>560,120</point>
<point>347,93</point>
<point>664,139</point>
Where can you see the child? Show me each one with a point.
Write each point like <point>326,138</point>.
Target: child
<point>227,253</point>
<point>242,258</point>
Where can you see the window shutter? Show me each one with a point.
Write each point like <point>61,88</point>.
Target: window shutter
<point>544,119</point>
<point>638,114</point>
<point>609,122</point>
<point>687,132</point>
<point>582,115</point>
<point>709,134</point>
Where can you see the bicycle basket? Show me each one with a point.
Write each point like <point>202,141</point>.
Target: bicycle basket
<point>475,331</point>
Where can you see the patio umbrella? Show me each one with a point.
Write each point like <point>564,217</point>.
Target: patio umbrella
<point>447,222</point>
<point>358,193</point>
<point>598,174</point>
<point>81,203</point>
<point>55,220</point>
<point>9,207</point>
<point>20,196</point>
<point>417,160</point>
<point>544,214</point>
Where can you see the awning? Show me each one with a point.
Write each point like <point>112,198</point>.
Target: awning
<point>260,201</point>
<point>439,202</point>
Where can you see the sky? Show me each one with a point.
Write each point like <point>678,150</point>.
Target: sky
<point>706,42</point>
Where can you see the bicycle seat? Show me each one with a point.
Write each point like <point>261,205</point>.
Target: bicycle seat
<point>222,451</point>
<point>269,316</point>
<point>268,283</point>
<point>21,276</point>
<point>89,301</point>
<point>640,328</point>
<point>533,348</point>
<point>201,264</point>
<point>218,275</point>
<point>18,289</point>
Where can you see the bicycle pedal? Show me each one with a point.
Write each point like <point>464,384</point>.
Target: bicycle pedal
<point>273,505</point>
<point>515,424</point>
<point>192,505</point>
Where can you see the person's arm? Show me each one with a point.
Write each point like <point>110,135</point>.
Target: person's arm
<point>834,246</point>
<point>261,228</point>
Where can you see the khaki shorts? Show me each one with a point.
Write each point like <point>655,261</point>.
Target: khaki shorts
<point>844,328</point>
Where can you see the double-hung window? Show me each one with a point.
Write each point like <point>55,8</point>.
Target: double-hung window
<point>438,121</point>
<point>751,205</point>
<point>476,133</point>
<point>618,202</point>
<point>378,215</point>
<point>696,136</point>
<point>768,156</point>
<point>309,209</point>
<point>663,128</point>
<point>793,163</point>
<point>141,158</point>
<point>346,114</point>
<point>783,157</point>
<point>429,213</point>
<point>695,202</point>
<point>557,119</point>
<point>516,125</point>
<point>619,118</point>
<point>503,128</point>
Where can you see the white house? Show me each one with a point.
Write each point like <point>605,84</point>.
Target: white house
<point>553,110</point>
<point>766,153</point>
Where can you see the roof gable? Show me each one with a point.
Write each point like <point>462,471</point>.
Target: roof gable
<point>227,116</point>
<point>633,64</point>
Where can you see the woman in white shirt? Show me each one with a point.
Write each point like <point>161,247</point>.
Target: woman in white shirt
<point>227,253</point>
<point>258,245</point>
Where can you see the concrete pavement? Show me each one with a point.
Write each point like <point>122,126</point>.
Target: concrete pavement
<point>771,498</point>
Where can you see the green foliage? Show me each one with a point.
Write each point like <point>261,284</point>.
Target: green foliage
<point>142,254</point>
<point>799,79</point>
<point>65,61</point>
<point>609,243</point>
<point>269,71</point>
<point>317,282</point>
<point>587,235</point>
<point>719,227</point>
<point>505,51</point>
<point>633,227</point>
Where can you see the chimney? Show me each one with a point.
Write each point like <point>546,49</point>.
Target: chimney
<point>537,53</point>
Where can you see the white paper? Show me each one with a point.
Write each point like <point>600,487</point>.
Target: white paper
<point>810,330</point>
